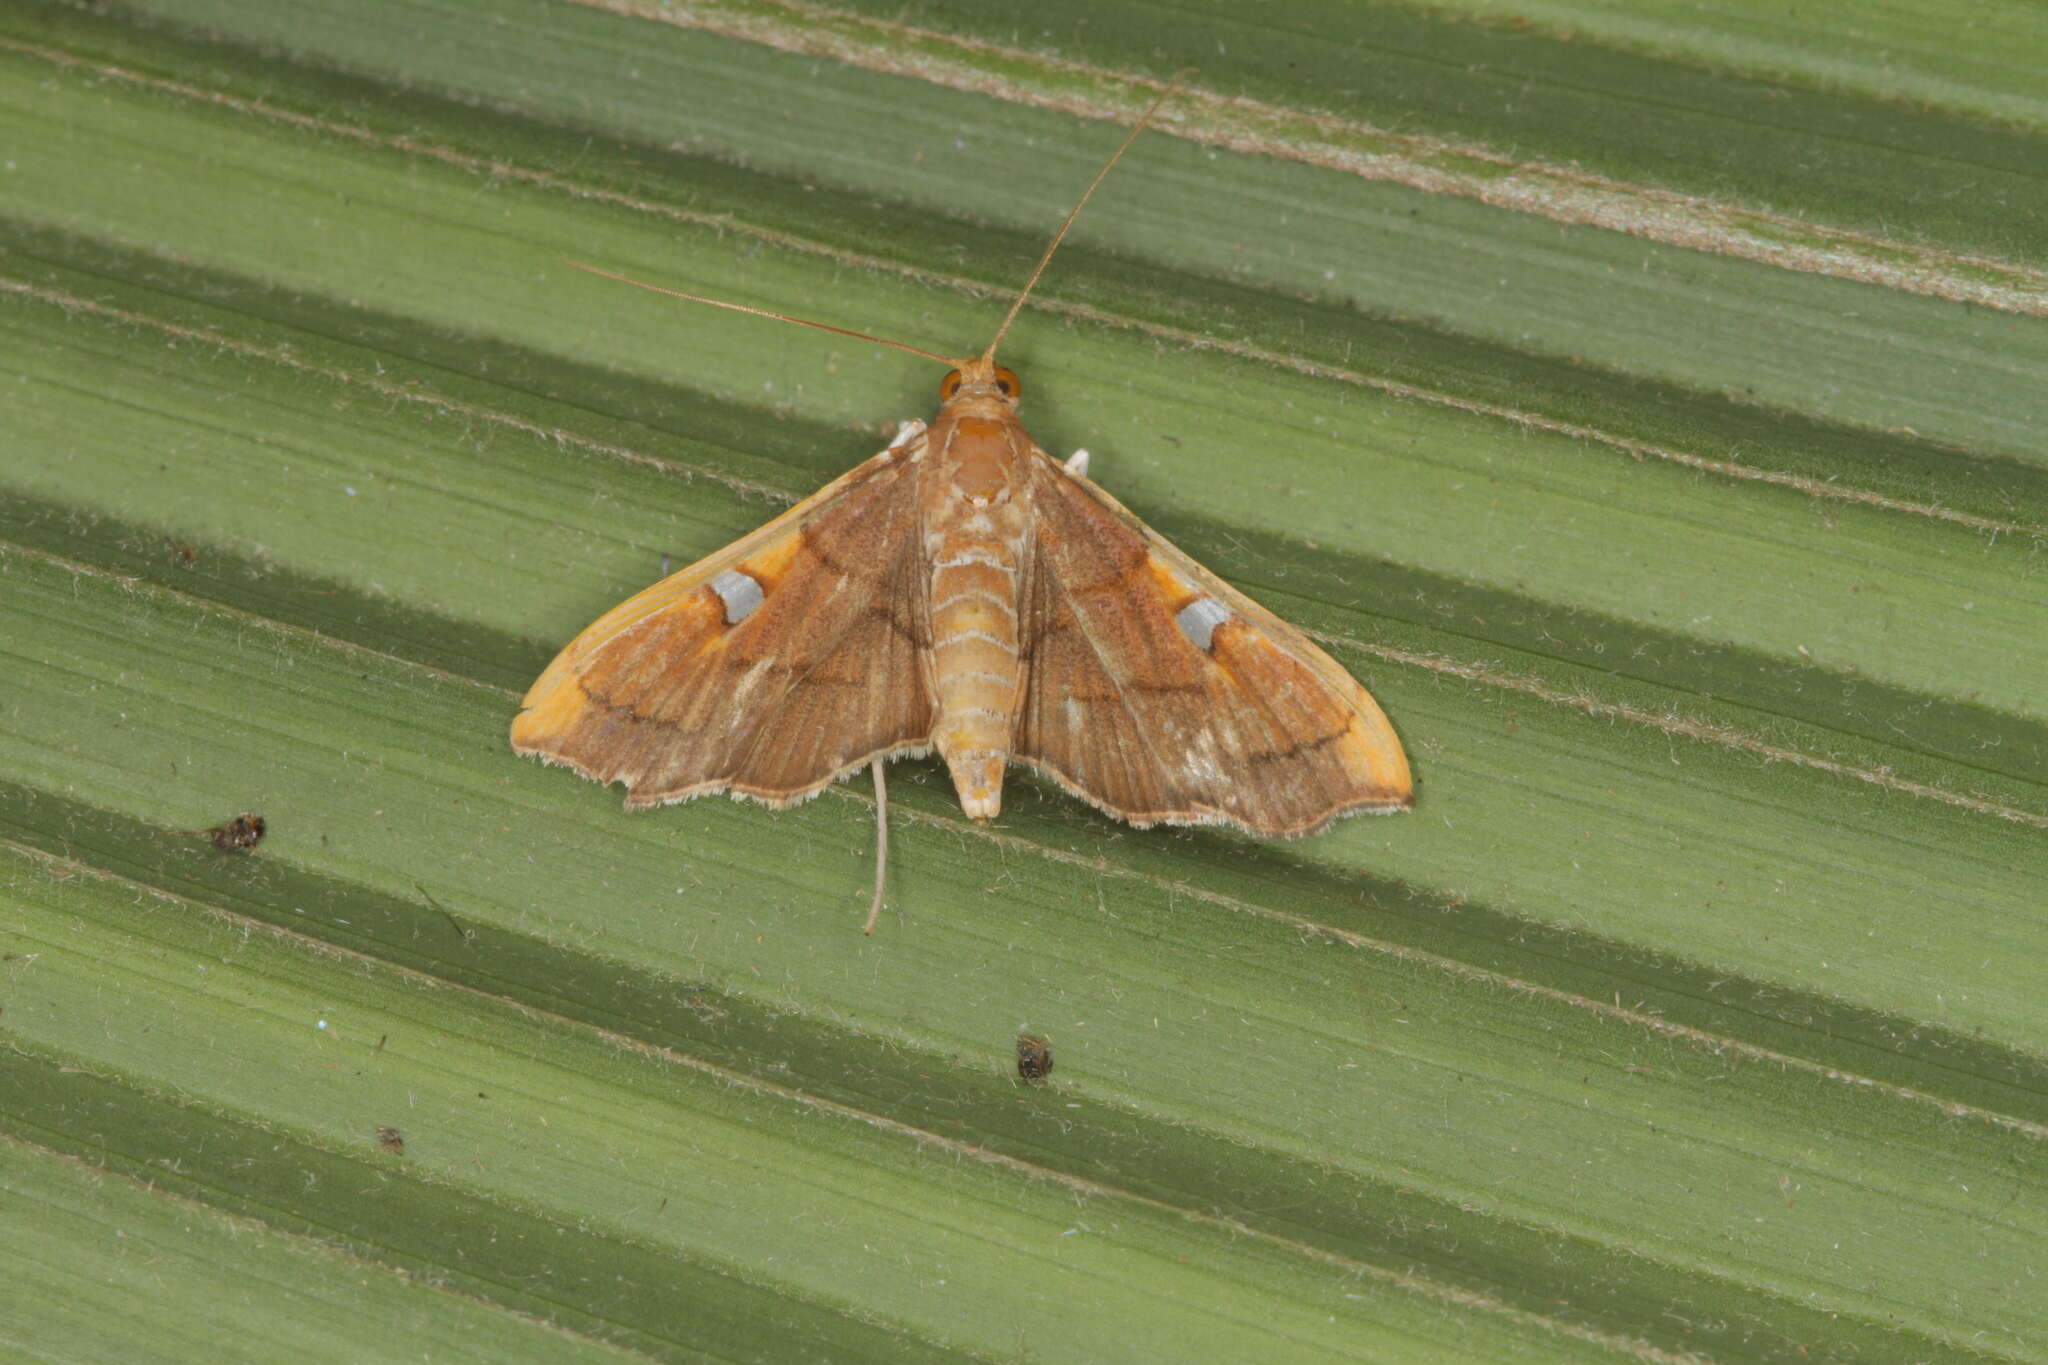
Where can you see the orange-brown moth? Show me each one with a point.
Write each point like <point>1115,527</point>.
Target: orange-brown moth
<point>965,592</point>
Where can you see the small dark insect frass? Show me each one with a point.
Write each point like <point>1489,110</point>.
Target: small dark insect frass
<point>242,832</point>
<point>390,1139</point>
<point>1034,1057</point>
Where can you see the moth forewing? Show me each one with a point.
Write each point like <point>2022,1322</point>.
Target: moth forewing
<point>670,591</point>
<point>727,675</point>
<point>1388,784</point>
<point>1164,696</point>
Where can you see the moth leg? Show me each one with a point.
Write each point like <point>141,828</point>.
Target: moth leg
<point>906,432</point>
<point>1077,464</point>
<point>881,847</point>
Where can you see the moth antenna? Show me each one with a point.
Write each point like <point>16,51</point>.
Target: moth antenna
<point>1075,212</point>
<point>881,848</point>
<point>952,361</point>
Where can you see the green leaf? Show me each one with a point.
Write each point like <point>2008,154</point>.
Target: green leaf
<point>1648,415</point>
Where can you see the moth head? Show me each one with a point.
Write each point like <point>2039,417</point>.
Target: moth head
<point>983,374</point>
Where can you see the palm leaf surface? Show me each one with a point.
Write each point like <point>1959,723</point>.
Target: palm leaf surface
<point>1649,420</point>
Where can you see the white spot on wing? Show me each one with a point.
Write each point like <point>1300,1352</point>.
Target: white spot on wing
<point>1198,620</point>
<point>906,432</point>
<point>740,593</point>
<point>1077,464</point>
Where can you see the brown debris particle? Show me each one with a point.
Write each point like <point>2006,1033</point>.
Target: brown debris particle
<point>1034,1057</point>
<point>239,834</point>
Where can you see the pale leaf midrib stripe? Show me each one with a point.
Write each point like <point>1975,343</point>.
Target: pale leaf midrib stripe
<point>1434,164</point>
<point>1811,486</point>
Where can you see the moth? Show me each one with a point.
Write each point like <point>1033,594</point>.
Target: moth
<point>966,593</point>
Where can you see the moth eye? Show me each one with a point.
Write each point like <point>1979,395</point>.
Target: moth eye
<point>949,386</point>
<point>1007,381</point>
